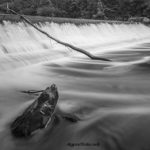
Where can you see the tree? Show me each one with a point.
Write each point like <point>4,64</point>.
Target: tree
<point>97,9</point>
<point>100,14</point>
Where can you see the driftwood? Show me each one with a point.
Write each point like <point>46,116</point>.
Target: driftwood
<point>32,91</point>
<point>58,41</point>
<point>38,115</point>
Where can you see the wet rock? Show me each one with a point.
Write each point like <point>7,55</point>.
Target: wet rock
<point>71,118</point>
<point>38,115</point>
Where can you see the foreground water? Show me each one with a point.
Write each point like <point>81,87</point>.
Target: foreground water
<point>111,98</point>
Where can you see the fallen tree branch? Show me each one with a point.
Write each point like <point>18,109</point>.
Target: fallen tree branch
<point>32,91</point>
<point>58,41</point>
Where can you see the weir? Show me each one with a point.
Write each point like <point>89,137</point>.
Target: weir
<point>22,45</point>
<point>37,19</point>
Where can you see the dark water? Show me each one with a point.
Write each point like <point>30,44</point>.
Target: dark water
<point>111,98</point>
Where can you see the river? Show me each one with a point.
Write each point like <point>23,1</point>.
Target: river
<point>112,99</point>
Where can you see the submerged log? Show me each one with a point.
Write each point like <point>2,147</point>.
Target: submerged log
<point>38,115</point>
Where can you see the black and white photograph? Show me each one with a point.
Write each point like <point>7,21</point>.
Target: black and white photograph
<point>74,74</point>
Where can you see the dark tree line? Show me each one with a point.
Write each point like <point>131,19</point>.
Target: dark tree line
<point>90,9</point>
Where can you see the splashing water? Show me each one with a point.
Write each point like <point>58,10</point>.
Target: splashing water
<point>111,98</point>
<point>22,45</point>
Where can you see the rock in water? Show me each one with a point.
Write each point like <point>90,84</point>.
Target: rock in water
<point>38,115</point>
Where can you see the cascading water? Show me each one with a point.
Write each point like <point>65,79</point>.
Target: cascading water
<point>111,98</point>
<point>21,44</point>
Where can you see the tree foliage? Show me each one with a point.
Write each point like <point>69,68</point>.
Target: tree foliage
<point>94,9</point>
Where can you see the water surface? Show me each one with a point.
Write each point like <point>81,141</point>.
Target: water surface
<point>111,98</point>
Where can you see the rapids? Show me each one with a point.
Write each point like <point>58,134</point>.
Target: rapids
<point>111,98</point>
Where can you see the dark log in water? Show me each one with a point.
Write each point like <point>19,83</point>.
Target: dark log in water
<point>32,91</point>
<point>38,115</point>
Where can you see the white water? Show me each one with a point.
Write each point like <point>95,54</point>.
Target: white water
<point>112,98</point>
<point>22,45</point>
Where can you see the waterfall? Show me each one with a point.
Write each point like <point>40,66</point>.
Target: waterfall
<point>22,45</point>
